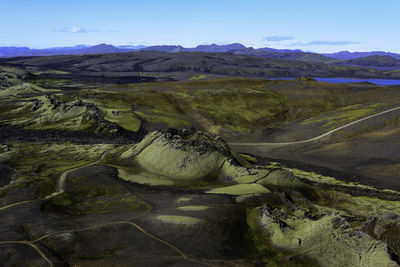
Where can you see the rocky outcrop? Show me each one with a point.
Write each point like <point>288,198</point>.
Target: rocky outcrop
<point>54,101</point>
<point>181,155</point>
<point>330,240</point>
<point>74,115</point>
<point>100,126</point>
<point>386,227</point>
<point>10,76</point>
<point>13,81</point>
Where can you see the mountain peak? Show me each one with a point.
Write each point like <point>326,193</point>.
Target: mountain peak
<point>217,48</point>
<point>103,45</point>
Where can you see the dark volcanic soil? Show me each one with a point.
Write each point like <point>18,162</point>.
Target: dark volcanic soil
<point>6,173</point>
<point>129,235</point>
<point>13,134</point>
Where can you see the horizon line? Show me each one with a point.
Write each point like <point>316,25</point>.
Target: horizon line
<point>224,44</point>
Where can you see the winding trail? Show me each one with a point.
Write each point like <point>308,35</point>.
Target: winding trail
<point>60,185</point>
<point>63,176</point>
<point>318,137</point>
<point>60,190</point>
<point>114,223</point>
<point>28,243</point>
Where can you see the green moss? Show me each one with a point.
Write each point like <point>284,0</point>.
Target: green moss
<point>183,199</point>
<point>193,208</point>
<point>40,114</point>
<point>76,204</point>
<point>143,177</point>
<point>259,246</point>
<point>325,239</point>
<point>240,189</point>
<point>124,118</point>
<point>60,203</point>
<point>89,197</point>
<point>238,109</point>
<point>249,158</point>
<point>242,175</point>
<point>198,77</point>
<point>327,180</point>
<point>46,185</point>
<point>108,204</point>
<point>90,190</point>
<point>180,165</point>
<point>231,104</point>
<point>258,241</point>
<point>170,121</point>
<point>134,203</point>
<point>43,163</point>
<point>23,88</point>
<point>185,220</point>
<point>362,206</point>
<point>237,104</point>
<point>344,115</point>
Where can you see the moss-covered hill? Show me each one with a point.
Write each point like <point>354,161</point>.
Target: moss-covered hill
<point>231,107</point>
<point>295,214</point>
<point>185,195</point>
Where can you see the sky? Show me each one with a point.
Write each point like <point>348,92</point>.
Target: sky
<point>310,25</point>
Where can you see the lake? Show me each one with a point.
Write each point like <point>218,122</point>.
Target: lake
<point>349,80</point>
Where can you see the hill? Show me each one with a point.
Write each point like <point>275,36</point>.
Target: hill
<point>200,62</point>
<point>374,61</point>
<point>296,55</point>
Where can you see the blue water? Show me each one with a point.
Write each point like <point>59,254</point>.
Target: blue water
<point>350,80</point>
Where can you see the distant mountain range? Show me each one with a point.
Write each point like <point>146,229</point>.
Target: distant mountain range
<point>367,59</point>
<point>351,55</point>
<point>73,50</point>
<point>105,49</point>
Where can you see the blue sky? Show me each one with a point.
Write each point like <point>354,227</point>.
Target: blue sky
<point>311,25</point>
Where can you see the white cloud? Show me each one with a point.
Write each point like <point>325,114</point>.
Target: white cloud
<point>76,29</point>
<point>72,30</point>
